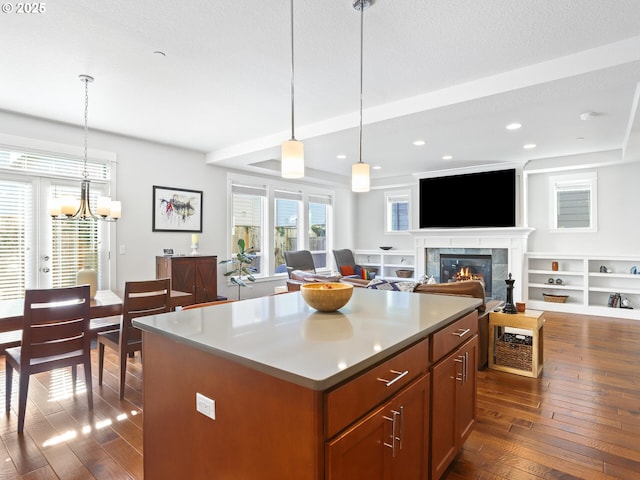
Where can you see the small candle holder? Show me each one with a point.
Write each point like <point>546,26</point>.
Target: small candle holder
<point>195,243</point>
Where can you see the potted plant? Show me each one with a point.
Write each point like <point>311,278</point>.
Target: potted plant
<point>240,262</point>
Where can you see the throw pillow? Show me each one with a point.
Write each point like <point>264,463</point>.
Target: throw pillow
<point>347,270</point>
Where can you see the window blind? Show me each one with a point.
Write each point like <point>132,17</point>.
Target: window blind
<point>16,232</point>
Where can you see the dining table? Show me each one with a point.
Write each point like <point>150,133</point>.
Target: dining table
<point>105,305</point>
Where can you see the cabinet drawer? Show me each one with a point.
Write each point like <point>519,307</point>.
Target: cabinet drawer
<point>352,400</point>
<point>453,335</point>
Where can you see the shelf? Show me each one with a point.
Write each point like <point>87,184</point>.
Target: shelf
<point>387,262</point>
<point>549,286</point>
<point>588,288</point>
<point>556,273</point>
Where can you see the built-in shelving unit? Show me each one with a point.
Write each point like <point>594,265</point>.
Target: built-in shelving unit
<point>589,281</point>
<point>386,262</point>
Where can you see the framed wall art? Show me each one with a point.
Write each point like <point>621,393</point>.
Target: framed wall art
<point>177,210</point>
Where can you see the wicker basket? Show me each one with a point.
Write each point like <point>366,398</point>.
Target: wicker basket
<point>548,297</point>
<point>515,351</point>
<point>404,273</point>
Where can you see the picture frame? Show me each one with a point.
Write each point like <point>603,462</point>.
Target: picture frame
<point>176,210</point>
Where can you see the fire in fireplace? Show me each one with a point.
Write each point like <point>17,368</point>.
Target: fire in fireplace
<point>459,267</point>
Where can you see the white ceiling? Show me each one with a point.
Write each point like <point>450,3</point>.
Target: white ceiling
<point>452,73</point>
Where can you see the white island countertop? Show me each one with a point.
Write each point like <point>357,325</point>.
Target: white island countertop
<point>282,336</point>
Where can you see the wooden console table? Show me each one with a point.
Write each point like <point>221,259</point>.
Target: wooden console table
<point>530,320</point>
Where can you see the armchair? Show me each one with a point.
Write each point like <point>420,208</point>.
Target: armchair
<point>300,260</point>
<point>302,269</point>
<point>347,266</point>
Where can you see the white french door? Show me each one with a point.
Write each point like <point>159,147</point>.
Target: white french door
<point>38,252</point>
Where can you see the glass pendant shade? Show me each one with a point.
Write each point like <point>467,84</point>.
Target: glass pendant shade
<point>360,177</point>
<point>292,163</point>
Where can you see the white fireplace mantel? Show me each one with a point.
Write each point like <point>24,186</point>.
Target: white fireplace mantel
<point>514,239</point>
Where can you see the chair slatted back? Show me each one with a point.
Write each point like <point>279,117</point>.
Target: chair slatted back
<point>141,298</point>
<point>56,322</point>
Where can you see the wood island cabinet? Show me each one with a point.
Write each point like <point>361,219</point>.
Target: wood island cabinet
<point>389,443</point>
<point>454,394</point>
<point>197,275</point>
<point>403,416</point>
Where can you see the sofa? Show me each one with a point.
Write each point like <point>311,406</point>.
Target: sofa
<point>468,288</point>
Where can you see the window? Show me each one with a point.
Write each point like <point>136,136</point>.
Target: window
<point>286,214</point>
<point>274,219</point>
<point>248,220</point>
<point>397,212</point>
<point>574,201</point>
<point>319,224</point>
<point>36,252</point>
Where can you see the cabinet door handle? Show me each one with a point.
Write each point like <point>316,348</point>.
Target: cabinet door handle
<point>461,332</point>
<point>460,376</point>
<point>466,366</point>
<point>388,383</point>
<point>394,436</point>
<point>401,427</point>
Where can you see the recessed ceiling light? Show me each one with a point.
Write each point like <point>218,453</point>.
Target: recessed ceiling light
<point>513,126</point>
<point>342,156</point>
<point>158,52</point>
<point>377,167</point>
<point>579,138</point>
<point>419,143</point>
<point>447,157</point>
<point>529,146</point>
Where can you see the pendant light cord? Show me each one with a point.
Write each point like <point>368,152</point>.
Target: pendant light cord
<point>361,75</point>
<point>293,136</point>
<point>86,125</point>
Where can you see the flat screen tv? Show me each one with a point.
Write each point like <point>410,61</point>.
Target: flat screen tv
<point>472,200</point>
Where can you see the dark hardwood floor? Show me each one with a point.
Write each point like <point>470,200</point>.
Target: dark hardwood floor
<point>579,420</point>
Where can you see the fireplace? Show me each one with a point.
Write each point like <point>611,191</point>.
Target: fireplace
<point>487,264</point>
<point>457,267</point>
<point>506,246</point>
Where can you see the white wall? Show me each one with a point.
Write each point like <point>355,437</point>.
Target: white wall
<point>140,166</point>
<point>618,202</point>
<point>370,221</point>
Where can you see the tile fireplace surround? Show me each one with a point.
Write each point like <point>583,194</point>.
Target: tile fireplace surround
<point>513,239</point>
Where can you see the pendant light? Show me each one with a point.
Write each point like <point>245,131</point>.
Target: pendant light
<point>292,162</point>
<point>360,176</point>
<point>67,208</point>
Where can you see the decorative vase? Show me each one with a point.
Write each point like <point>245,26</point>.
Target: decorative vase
<point>88,276</point>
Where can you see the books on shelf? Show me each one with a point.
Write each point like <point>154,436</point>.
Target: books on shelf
<point>614,300</point>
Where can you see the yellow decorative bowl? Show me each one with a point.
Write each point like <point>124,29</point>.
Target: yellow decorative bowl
<point>327,296</point>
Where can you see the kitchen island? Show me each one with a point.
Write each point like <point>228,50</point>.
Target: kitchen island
<point>286,392</point>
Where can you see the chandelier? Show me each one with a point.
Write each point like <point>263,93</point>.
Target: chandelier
<point>68,208</point>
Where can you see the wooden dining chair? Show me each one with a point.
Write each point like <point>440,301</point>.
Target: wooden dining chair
<point>55,334</point>
<point>146,297</point>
